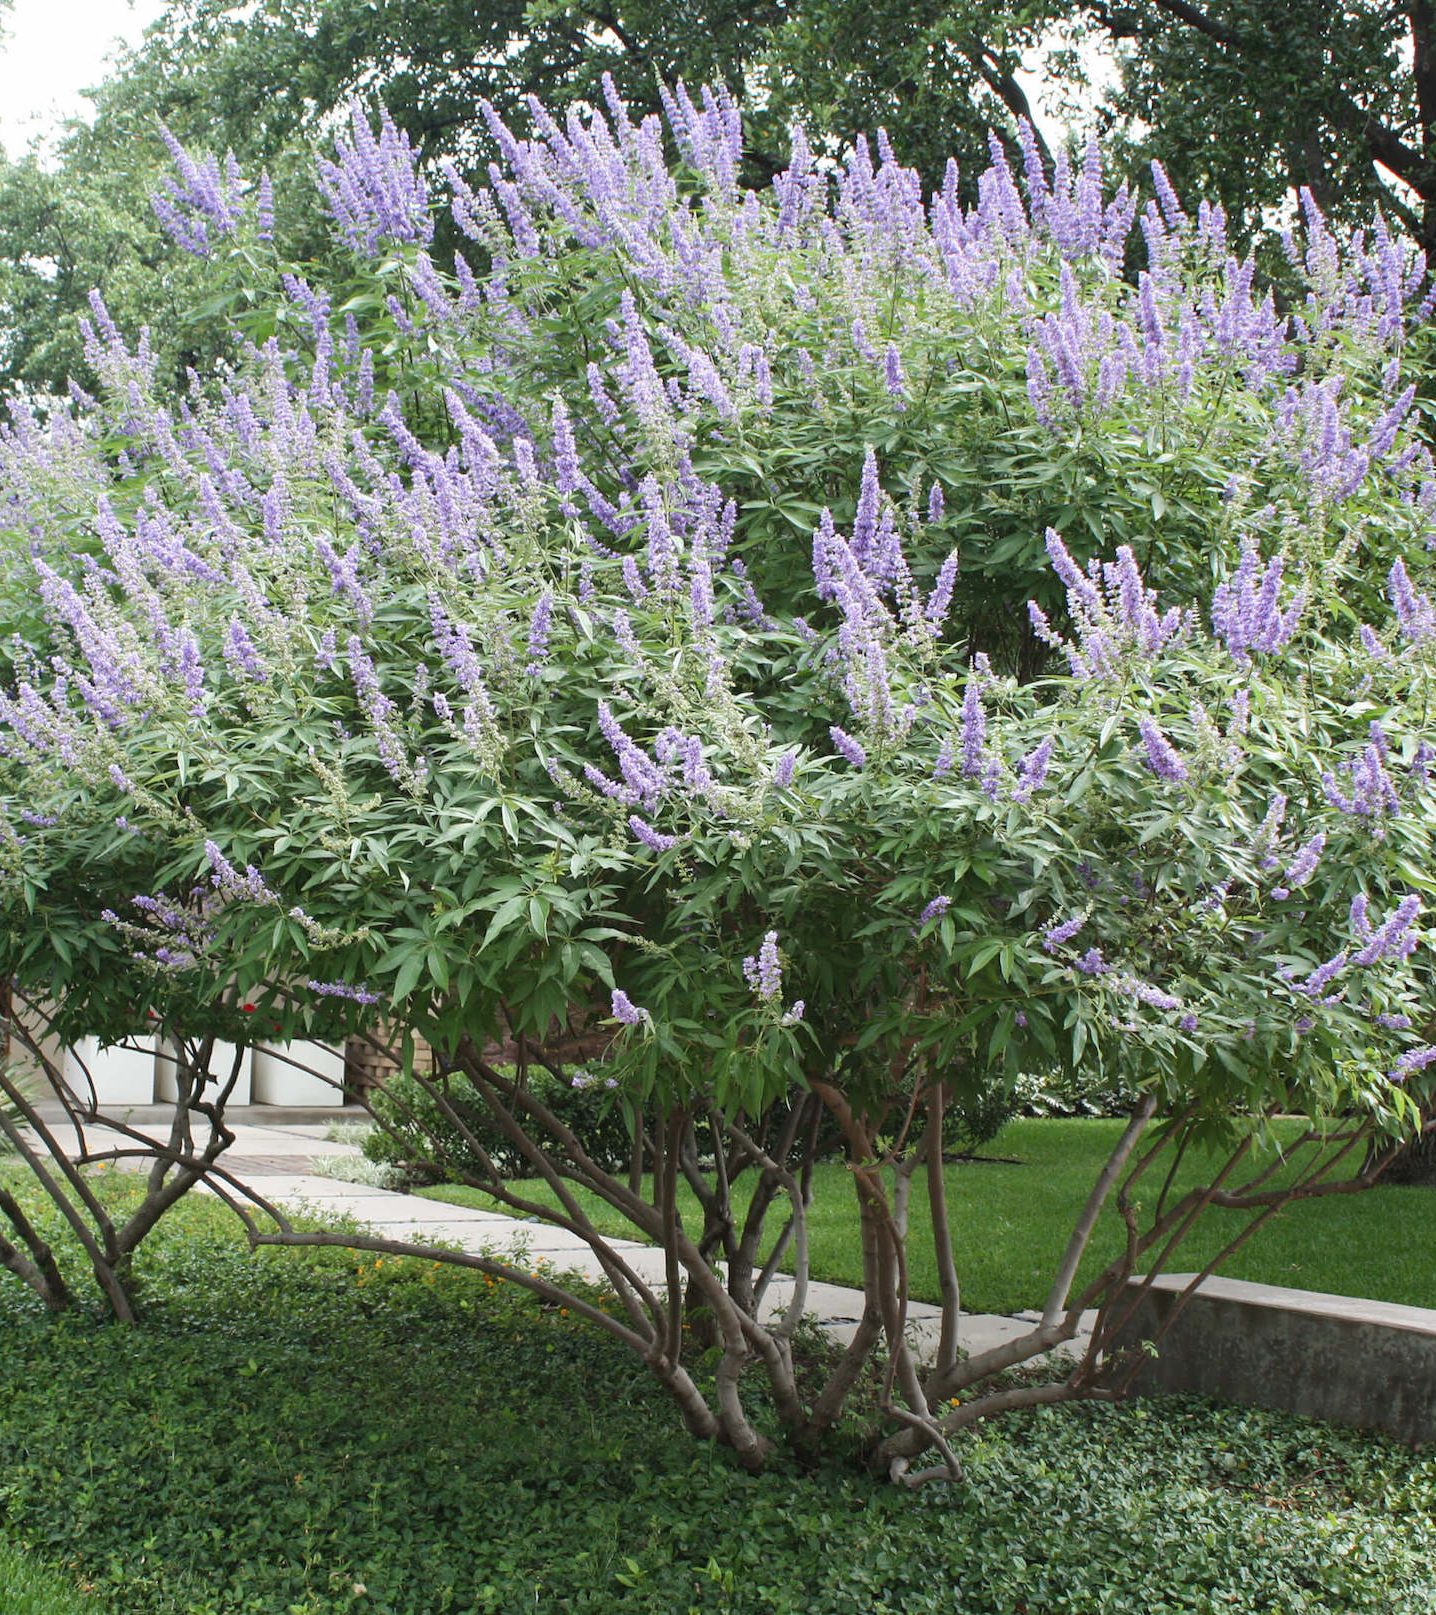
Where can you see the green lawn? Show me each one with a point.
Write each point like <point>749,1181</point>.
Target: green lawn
<point>1010,1223</point>
<point>27,1588</point>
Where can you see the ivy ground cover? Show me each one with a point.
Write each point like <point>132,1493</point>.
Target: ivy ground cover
<point>315,1432</point>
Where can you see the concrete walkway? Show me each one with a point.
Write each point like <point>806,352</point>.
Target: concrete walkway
<point>276,1157</point>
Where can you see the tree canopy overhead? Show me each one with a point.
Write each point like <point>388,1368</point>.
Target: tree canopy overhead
<point>1251,100</point>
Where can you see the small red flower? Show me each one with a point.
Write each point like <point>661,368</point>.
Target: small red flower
<point>248,1008</point>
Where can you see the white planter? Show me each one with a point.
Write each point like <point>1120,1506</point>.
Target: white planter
<point>121,1076</point>
<point>221,1063</point>
<point>277,1082</point>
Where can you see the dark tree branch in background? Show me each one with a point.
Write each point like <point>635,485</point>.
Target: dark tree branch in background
<point>1344,94</point>
<point>1199,20</point>
<point>999,79</point>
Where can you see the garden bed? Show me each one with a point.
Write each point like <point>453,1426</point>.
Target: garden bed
<point>319,1432</point>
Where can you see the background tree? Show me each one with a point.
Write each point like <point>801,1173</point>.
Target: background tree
<point>936,76</point>
<point>1251,100</point>
<point>260,81</point>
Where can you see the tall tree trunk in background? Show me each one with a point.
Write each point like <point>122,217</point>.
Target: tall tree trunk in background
<point>1423,73</point>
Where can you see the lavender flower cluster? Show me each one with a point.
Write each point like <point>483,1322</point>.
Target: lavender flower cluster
<point>1246,607</point>
<point>373,188</point>
<point>1114,616</point>
<point>200,201</point>
<point>291,514</point>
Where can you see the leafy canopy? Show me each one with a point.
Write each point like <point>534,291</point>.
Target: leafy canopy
<point>633,618</point>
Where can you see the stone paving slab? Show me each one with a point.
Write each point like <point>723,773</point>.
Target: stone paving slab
<point>369,1204</point>
<point>366,1208</point>
<point>299,1143</point>
<point>1086,1325</point>
<point>305,1186</point>
<point>836,1301</point>
<point>646,1262</point>
<point>251,1143</point>
<point>467,1236</point>
<point>834,1307</point>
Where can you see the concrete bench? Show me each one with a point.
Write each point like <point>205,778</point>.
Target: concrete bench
<point>1363,1363</point>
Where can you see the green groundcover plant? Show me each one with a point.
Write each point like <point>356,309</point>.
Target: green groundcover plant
<point>840,650</point>
<point>392,1435</point>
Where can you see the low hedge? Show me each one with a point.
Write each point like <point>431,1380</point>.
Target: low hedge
<point>415,1128</point>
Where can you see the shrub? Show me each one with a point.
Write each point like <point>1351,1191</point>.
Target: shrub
<point>583,629</point>
<point>436,1131</point>
<point>1061,1095</point>
<point>358,1169</point>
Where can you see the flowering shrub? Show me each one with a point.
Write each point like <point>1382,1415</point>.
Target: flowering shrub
<point>865,650</point>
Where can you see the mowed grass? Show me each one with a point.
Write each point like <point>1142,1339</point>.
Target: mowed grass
<point>27,1588</point>
<point>1011,1219</point>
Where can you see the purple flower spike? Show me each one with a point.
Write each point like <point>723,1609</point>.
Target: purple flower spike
<point>649,836</point>
<point>1322,977</point>
<point>1058,936</point>
<point>1303,866</point>
<point>764,973</point>
<point>200,203</point>
<point>974,726</point>
<point>342,989</point>
<point>1414,611</point>
<point>539,630</point>
<point>243,659</point>
<point>1246,609</point>
<point>935,910</point>
<point>848,747</point>
<point>939,602</point>
<point>1412,1061</point>
<point>1032,773</point>
<point>374,191</point>
<point>227,880</point>
<point>893,377</point>
<point>626,1011</point>
<point>1394,935</point>
<point>1162,757</point>
<point>1145,993</point>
